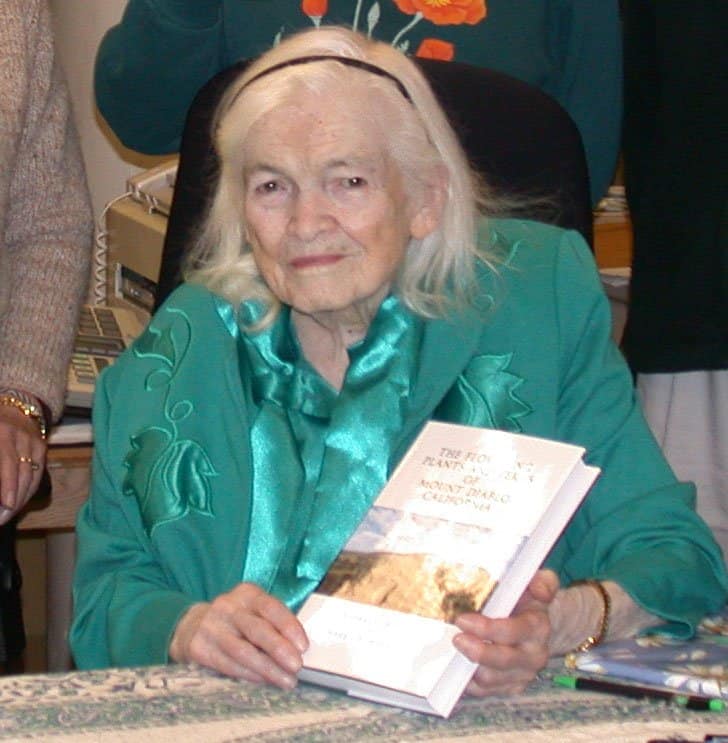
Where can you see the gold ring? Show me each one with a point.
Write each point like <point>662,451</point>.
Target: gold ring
<point>29,460</point>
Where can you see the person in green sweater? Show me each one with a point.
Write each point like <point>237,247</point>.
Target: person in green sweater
<point>343,292</point>
<point>152,63</point>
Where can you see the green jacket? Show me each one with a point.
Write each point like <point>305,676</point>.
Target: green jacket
<point>152,63</point>
<point>197,407</point>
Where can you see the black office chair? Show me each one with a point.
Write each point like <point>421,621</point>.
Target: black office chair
<point>522,141</point>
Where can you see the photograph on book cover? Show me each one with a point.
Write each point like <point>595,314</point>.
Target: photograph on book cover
<point>419,564</point>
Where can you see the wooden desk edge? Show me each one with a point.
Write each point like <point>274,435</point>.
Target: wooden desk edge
<point>68,467</point>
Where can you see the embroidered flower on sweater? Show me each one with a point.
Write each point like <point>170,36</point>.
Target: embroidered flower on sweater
<point>485,395</point>
<point>168,474</point>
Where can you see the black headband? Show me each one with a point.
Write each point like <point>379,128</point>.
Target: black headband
<point>350,61</point>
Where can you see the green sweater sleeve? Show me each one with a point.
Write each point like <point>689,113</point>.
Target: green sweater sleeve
<point>150,66</point>
<point>125,606</point>
<point>638,526</point>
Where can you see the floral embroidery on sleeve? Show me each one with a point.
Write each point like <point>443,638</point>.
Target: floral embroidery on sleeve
<point>167,474</point>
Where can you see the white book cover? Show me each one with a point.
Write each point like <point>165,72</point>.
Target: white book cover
<point>463,523</point>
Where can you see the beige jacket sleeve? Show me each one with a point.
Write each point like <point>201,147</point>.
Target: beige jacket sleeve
<point>46,224</point>
<point>577,612</point>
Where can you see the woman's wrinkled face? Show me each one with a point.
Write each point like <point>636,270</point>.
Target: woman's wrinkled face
<point>327,215</point>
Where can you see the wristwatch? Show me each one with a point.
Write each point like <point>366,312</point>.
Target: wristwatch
<point>27,405</point>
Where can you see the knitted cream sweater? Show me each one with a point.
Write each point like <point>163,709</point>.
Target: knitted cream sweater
<point>46,225</point>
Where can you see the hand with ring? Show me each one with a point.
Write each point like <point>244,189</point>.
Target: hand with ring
<point>22,458</point>
<point>29,460</point>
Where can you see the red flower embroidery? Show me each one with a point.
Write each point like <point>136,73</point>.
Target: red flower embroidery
<point>436,49</point>
<point>315,8</point>
<point>446,12</point>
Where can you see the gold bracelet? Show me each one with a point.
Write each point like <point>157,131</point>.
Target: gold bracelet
<point>28,408</point>
<point>601,633</point>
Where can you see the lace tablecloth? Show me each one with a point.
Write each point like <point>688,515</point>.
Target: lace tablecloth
<point>181,704</point>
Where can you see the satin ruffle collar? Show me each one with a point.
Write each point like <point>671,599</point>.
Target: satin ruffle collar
<point>320,457</point>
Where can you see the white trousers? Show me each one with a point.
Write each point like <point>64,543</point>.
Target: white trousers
<point>688,413</point>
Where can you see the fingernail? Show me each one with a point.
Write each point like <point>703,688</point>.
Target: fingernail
<point>288,682</point>
<point>464,622</point>
<point>292,662</point>
<point>459,642</point>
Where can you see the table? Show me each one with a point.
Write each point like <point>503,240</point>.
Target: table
<point>68,467</point>
<point>185,704</point>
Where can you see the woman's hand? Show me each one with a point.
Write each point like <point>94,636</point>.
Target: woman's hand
<point>245,633</point>
<point>509,652</point>
<point>22,459</point>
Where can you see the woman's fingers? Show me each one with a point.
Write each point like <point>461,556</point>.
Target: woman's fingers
<point>509,652</point>
<point>22,459</point>
<point>508,661</point>
<point>241,658</point>
<point>543,586</point>
<point>244,633</point>
<point>276,613</point>
<point>262,649</point>
<point>487,682</point>
<point>530,626</point>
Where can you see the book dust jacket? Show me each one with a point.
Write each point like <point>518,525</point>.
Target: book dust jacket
<point>444,531</point>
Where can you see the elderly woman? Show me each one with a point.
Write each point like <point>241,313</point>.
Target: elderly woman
<point>344,291</point>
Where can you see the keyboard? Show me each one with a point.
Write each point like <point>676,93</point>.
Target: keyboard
<point>103,334</point>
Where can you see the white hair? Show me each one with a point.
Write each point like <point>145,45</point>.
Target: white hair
<point>439,270</point>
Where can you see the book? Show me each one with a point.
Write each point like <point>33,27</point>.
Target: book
<point>698,667</point>
<point>463,523</point>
